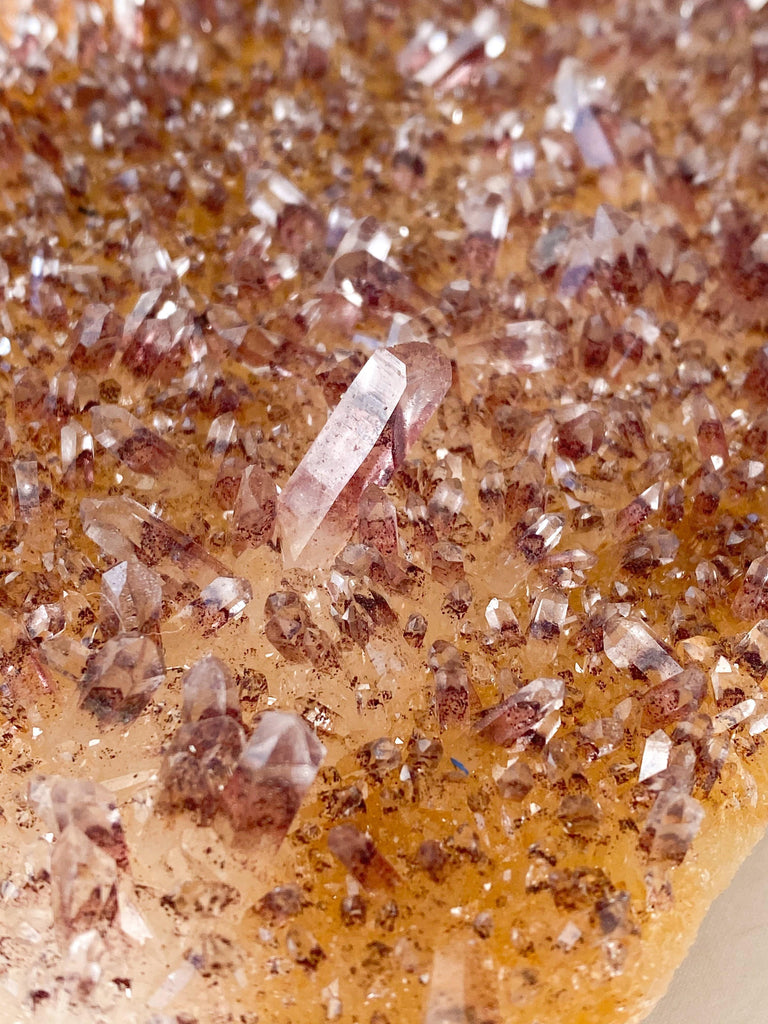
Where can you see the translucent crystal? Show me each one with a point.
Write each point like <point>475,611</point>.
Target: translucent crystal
<point>672,825</point>
<point>121,677</point>
<point>482,32</point>
<point>267,193</point>
<point>223,599</point>
<point>27,487</point>
<point>131,597</point>
<point>82,803</point>
<point>752,599</point>
<point>83,882</point>
<point>629,643</point>
<point>208,691</point>
<point>274,774</point>
<point>255,509</point>
<point>377,520</point>
<point>358,853</point>
<point>123,528</point>
<point>339,450</point>
<point>200,762</point>
<point>550,610</point>
<point>130,441</point>
<point>522,713</point>
<point>655,755</point>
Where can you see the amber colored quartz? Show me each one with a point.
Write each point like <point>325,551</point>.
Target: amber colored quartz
<point>384,600</point>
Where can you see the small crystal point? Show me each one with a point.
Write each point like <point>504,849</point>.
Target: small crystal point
<point>63,802</point>
<point>126,437</point>
<point>359,855</point>
<point>121,677</point>
<point>274,774</point>
<point>83,882</point>
<point>131,597</point>
<point>629,643</point>
<point>255,509</point>
<point>208,691</point>
<point>672,825</point>
<point>199,763</point>
<point>522,713</point>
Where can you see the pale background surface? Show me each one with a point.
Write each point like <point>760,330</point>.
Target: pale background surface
<point>724,979</point>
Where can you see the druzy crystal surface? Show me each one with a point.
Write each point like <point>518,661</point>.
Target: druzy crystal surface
<point>384,604</point>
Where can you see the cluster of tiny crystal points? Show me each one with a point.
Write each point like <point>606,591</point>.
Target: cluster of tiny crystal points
<point>384,610</point>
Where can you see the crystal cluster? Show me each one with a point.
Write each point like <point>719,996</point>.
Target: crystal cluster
<point>384,609</point>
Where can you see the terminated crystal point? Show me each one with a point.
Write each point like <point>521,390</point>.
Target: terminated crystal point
<point>528,346</point>
<point>655,755</point>
<point>223,599</point>
<point>672,825</point>
<point>377,520</point>
<point>751,602</point>
<point>677,698</point>
<point>530,710</point>
<point>27,487</point>
<point>338,452</point>
<point>83,882</point>
<point>753,647</point>
<point>121,677</point>
<point>123,528</point>
<point>208,691</point>
<point>126,437</point>
<point>255,509</point>
<point>358,853</point>
<point>200,762</point>
<point>428,378</point>
<point>455,696</point>
<point>430,57</point>
<point>289,628</point>
<point>268,193</point>
<point>63,802</point>
<point>629,643</point>
<point>500,617</point>
<point>273,776</point>
<point>131,598</point>
<point>96,338</point>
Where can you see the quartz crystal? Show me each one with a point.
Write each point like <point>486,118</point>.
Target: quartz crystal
<point>274,773</point>
<point>384,605</point>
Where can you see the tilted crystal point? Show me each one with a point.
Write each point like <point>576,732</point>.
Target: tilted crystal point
<point>274,774</point>
<point>359,855</point>
<point>62,802</point>
<point>208,691</point>
<point>126,437</point>
<point>526,712</point>
<point>121,677</point>
<point>629,643</point>
<point>83,882</point>
<point>255,509</point>
<point>123,528</point>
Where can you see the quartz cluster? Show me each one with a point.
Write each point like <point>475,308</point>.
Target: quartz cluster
<point>383,439</point>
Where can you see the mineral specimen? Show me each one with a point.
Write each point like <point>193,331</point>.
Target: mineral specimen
<point>384,607</point>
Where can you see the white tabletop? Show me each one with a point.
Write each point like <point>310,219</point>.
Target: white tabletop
<point>724,979</point>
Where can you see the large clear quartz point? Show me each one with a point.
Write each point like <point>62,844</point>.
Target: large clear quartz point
<point>339,450</point>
